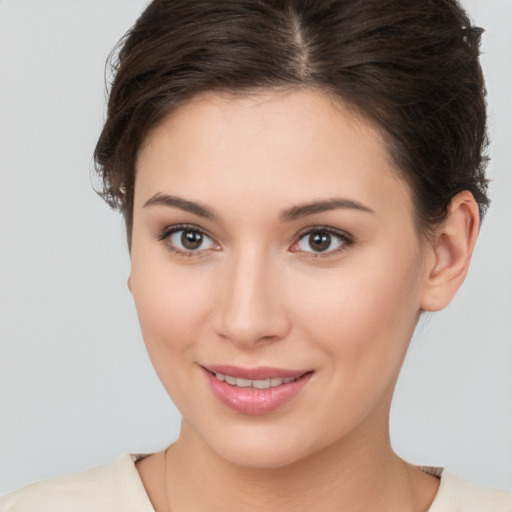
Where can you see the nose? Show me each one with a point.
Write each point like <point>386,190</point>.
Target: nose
<point>251,309</point>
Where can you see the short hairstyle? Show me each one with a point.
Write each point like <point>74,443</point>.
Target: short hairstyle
<point>410,66</point>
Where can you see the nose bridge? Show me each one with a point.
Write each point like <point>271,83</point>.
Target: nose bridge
<point>251,310</point>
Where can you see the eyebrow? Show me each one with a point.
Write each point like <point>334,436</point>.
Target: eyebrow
<point>304,210</point>
<point>182,204</point>
<point>294,213</point>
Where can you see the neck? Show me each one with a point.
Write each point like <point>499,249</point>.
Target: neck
<point>353,474</point>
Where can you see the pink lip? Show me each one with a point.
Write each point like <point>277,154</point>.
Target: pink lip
<point>255,401</point>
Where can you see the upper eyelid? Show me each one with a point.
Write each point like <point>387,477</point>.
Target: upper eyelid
<point>168,230</point>
<point>327,229</point>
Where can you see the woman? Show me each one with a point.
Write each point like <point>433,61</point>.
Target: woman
<point>300,181</point>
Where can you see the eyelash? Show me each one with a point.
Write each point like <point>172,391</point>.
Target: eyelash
<point>345,239</point>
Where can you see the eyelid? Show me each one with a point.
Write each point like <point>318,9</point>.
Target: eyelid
<point>172,228</point>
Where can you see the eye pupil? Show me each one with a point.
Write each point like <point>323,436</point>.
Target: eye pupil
<point>320,241</point>
<point>191,239</point>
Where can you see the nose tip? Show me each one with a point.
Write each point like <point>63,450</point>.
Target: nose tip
<point>245,336</point>
<point>251,311</point>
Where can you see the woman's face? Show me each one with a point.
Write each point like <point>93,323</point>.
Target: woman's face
<point>274,244</point>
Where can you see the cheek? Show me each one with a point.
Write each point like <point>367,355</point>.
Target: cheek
<point>363,314</point>
<point>172,305</point>
<point>173,314</point>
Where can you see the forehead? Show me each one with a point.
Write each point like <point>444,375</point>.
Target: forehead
<point>292,146</point>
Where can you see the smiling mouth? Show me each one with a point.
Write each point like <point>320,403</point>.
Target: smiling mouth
<point>255,391</point>
<point>256,384</point>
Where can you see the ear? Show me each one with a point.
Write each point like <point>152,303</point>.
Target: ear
<point>450,251</point>
<point>129,283</point>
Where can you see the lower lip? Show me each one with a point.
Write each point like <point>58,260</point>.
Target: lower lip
<point>255,401</point>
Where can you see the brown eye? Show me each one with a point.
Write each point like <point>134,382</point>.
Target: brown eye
<point>188,240</point>
<point>321,241</point>
<point>191,240</point>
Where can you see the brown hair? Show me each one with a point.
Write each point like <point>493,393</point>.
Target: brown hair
<point>411,66</point>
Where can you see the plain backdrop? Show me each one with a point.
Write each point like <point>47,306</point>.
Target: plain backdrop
<point>76,386</point>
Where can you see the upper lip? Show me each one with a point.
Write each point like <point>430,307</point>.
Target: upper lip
<point>257,373</point>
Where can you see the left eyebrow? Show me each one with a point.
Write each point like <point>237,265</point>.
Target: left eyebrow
<point>304,210</point>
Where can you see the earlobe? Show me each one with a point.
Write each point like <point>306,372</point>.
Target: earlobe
<point>451,249</point>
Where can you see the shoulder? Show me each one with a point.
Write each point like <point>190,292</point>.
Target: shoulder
<point>459,495</point>
<point>112,487</point>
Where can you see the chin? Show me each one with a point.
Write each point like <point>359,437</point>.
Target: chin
<point>262,456</point>
<point>260,447</point>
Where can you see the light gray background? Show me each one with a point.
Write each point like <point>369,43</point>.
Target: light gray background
<point>76,386</point>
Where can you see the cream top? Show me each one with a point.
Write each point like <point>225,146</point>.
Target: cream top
<point>117,487</point>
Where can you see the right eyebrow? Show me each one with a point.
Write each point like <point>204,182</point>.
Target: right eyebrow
<point>182,204</point>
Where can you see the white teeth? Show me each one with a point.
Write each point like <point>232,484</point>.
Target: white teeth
<point>261,384</point>
<point>257,384</point>
<point>230,380</point>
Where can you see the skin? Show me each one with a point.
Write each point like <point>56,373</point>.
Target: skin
<point>257,294</point>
